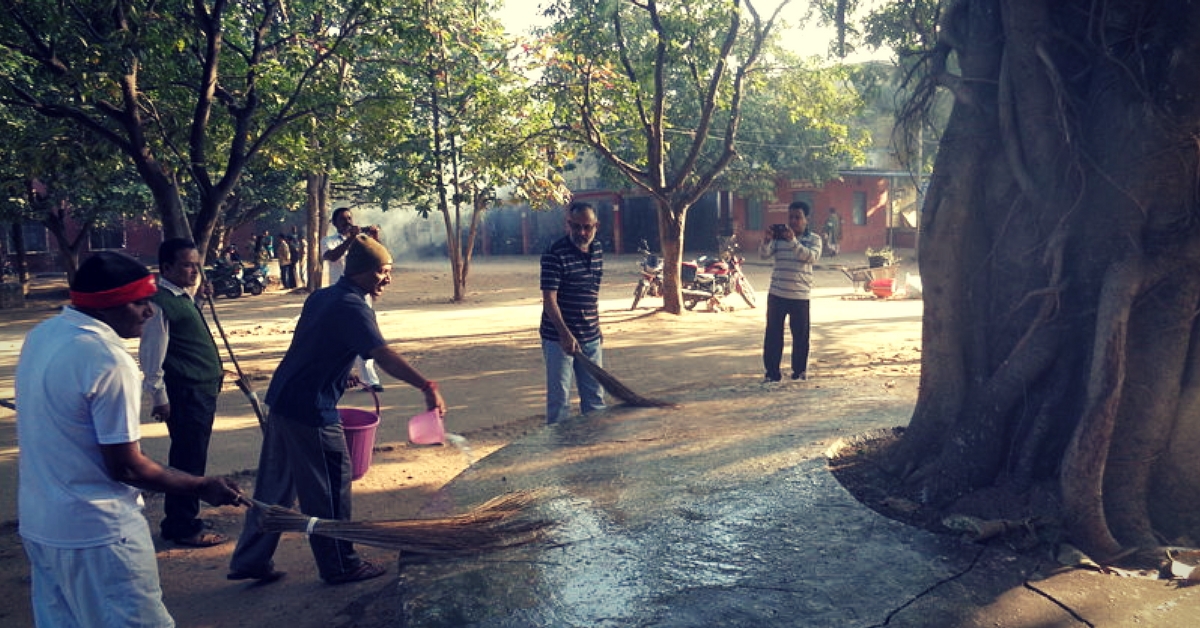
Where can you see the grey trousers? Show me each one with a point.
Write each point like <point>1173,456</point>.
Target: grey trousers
<point>309,463</point>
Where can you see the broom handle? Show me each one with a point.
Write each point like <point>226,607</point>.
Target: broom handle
<point>243,383</point>
<point>232,358</point>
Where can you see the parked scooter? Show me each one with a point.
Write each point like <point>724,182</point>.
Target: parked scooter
<point>232,279</point>
<point>651,270</point>
<point>254,279</point>
<point>710,279</point>
<point>226,279</point>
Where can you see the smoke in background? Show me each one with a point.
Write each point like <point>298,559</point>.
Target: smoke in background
<point>405,233</point>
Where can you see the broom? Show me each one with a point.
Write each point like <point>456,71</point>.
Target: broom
<point>243,382</point>
<point>619,390</point>
<point>491,526</point>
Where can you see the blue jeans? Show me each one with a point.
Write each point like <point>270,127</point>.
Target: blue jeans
<point>560,370</point>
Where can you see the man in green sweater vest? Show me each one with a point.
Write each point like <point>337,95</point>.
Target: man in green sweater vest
<point>182,374</point>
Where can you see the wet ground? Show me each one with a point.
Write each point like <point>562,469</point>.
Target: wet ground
<point>703,516</point>
<point>718,513</point>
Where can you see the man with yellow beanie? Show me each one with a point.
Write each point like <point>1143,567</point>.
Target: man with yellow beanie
<point>304,455</point>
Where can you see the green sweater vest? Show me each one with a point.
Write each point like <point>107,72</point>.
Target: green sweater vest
<point>192,358</point>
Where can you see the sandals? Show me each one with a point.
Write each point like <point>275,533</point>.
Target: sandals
<point>201,539</point>
<point>364,571</point>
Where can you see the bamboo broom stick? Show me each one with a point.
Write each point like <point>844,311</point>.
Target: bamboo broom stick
<point>489,527</point>
<point>617,389</point>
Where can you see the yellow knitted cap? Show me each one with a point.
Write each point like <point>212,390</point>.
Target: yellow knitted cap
<point>366,254</point>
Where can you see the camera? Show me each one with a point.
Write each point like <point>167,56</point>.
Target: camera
<point>780,232</point>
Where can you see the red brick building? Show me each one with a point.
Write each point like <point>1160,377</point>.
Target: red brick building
<point>877,208</point>
<point>871,204</point>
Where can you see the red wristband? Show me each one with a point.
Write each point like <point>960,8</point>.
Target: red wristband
<point>430,385</point>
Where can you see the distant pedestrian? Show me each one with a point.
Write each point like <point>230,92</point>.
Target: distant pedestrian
<point>287,272</point>
<point>832,232</point>
<point>570,281</point>
<point>81,466</point>
<point>795,249</point>
<point>299,259</point>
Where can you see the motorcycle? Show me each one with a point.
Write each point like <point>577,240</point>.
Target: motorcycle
<point>226,279</point>
<point>254,279</point>
<point>651,270</point>
<point>232,279</point>
<point>720,277</point>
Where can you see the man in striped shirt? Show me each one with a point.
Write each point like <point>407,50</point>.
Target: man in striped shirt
<point>570,282</point>
<point>795,249</point>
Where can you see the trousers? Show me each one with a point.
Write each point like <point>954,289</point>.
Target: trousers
<point>796,313</point>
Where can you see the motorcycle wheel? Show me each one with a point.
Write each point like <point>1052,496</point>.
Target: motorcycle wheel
<point>689,304</point>
<point>639,291</point>
<point>747,291</point>
<point>256,288</point>
<point>233,291</point>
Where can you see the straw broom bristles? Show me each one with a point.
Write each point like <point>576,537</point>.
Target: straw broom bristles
<point>488,527</point>
<point>616,388</point>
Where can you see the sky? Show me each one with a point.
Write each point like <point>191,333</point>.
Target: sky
<point>519,16</point>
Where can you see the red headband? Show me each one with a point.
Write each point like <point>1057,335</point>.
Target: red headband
<point>133,291</point>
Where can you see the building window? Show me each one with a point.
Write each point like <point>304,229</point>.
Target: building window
<point>754,214</point>
<point>107,237</point>
<point>35,237</point>
<point>860,208</point>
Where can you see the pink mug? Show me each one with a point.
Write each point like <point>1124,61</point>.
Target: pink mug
<point>426,428</point>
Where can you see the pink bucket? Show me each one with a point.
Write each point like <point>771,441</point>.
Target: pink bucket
<point>426,428</point>
<point>359,427</point>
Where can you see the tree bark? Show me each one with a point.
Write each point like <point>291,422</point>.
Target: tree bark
<point>1060,239</point>
<point>317,214</point>
<point>670,240</point>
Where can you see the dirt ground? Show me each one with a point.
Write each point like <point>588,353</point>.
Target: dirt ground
<point>486,356</point>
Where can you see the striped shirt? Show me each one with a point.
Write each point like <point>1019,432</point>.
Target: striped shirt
<point>575,275</point>
<point>792,276</point>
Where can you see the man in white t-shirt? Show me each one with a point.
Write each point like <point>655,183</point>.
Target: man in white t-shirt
<point>334,249</point>
<point>335,245</point>
<point>79,398</point>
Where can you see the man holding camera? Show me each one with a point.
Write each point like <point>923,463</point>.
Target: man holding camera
<point>795,249</point>
<point>335,248</point>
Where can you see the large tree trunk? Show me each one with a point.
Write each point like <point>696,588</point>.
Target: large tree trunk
<point>317,213</point>
<point>1060,244</point>
<point>670,240</point>
<point>164,188</point>
<point>55,220</point>
<point>21,265</point>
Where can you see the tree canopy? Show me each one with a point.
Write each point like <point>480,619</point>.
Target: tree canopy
<point>660,91</point>
<point>189,92</point>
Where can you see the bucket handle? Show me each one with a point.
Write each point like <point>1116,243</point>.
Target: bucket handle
<point>375,396</point>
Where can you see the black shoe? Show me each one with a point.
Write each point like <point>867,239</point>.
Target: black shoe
<point>802,376</point>
<point>772,377</point>
<point>376,388</point>
<point>265,576</point>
